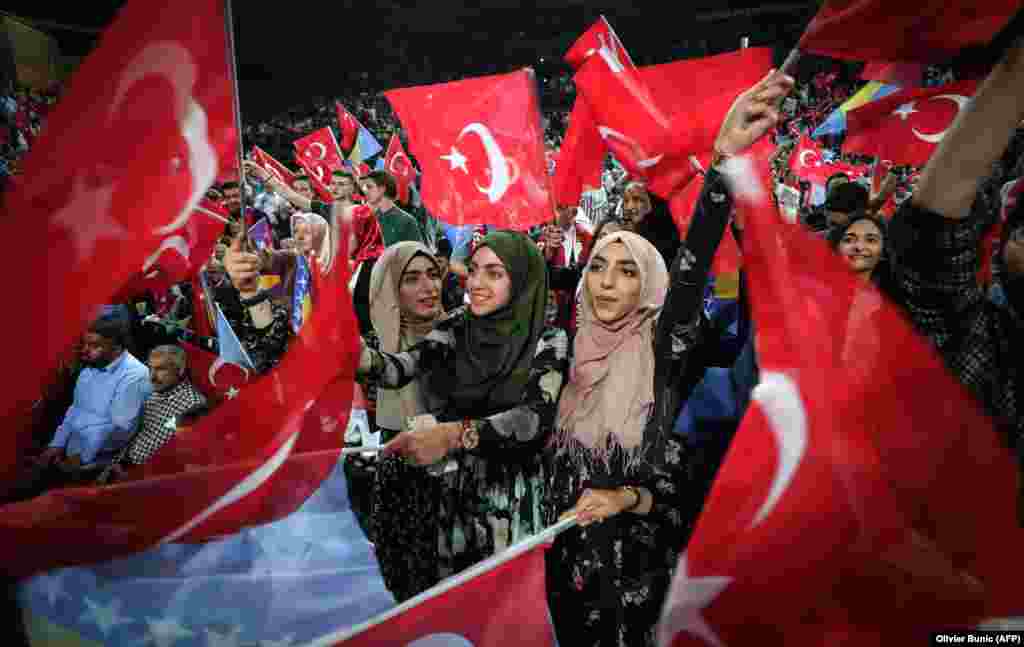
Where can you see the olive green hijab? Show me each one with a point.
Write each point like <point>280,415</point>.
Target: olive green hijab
<point>493,354</point>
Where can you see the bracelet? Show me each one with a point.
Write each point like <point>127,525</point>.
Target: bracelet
<point>470,434</point>
<point>636,494</point>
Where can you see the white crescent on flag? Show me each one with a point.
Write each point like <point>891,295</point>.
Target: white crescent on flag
<point>216,366</point>
<point>960,100</point>
<point>500,176</point>
<point>780,401</point>
<point>173,62</point>
<point>323,150</point>
<point>391,165</point>
<point>803,160</point>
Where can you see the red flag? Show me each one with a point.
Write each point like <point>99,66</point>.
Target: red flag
<point>840,508</point>
<point>646,117</point>
<point>347,126</point>
<point>272,166</point>
<point>928,31</point>
<point>322,190</point>
<point>506,606</point>
<point>481,150</point>
<point>905,75</point>
<point>318,153</point>
<point>253,459</point>
<point>147,120</point>
<point>905,127</point>
<point>397,163</point>
<point>581,157</point>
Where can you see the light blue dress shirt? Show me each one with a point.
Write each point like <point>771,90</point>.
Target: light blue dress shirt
<point>106,409</point>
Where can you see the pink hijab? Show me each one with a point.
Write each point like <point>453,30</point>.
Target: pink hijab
<point>608,400</point>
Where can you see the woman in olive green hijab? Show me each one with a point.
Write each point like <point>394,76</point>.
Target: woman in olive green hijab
<point>491,384</point>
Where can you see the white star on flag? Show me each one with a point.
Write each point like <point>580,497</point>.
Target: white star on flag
<point>86,218</point>
<point>164,633</point>
<point>105,617</point>
<point>214,639</point>
<point>232,393</point>
<point>457,160</point>
<point>688,597</point>
<point>905,110</point>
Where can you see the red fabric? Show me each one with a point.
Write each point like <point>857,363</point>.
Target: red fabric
<point>369,240</point>
<point>114,175</point>
<point>505,607</point>
<point>841,507</point>
<point>653,119</point>
<point>318,153</point>
<point>580,158</point>
<point>488,131</point>
<point>397,163</point>
<point>272,166</point>
<point>322,190</point>
<point>878,129</point>
<point>118,151</point>
<point>347,126</point>
<point>905,75</point>
<point>927,31</point>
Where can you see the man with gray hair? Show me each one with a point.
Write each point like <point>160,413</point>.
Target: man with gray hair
<point>174,402</point>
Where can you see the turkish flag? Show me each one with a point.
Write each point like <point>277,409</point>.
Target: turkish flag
<point>480,147</point>
<point>318,153</point>
<point>580,158</point>
<point>348,127</point>
<point>927,31</point>
<point>503,607</point>
<point>397,163</point>
<point>905,127</point>
<point>272,166</point>
<point>647,119</point>
<point>147,120</point>
<point>840,508</point>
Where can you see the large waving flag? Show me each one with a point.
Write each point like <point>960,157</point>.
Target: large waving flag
<point>500,602</point>
<point>927,31</point>
<point>580,159</point>
<point>906,127</point>
<point>147,119</point>
<point>272,166</point>
<point>480,146</point>
<point>839,515</point>
<point>282,583</point>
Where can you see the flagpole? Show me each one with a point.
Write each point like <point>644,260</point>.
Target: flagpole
<point>229,27</point>
<point>450,583</point>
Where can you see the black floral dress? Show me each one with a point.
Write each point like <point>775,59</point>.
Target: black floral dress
<point>429,523</point>
<point>607,582</point>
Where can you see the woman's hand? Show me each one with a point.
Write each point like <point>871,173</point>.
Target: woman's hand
<point>598,505</point>
<point>243,268</point>
<point>753,114</point>
<point>428,446</point>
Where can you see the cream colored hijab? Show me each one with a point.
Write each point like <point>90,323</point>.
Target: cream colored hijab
<point>396,333</point>
<point>323,240</point>
<point>610,394</point>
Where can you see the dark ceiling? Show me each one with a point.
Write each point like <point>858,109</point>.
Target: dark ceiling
<point>288,52</point>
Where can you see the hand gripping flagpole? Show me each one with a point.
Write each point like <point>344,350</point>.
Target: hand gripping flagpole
<point>507,555</point>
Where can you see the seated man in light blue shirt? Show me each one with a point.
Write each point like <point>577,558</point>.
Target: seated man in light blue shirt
<point>109,395</point>
<point>108,400</point>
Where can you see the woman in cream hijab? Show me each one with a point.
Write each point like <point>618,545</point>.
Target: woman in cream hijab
<point>607,577</point>
<point>405,302</point>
